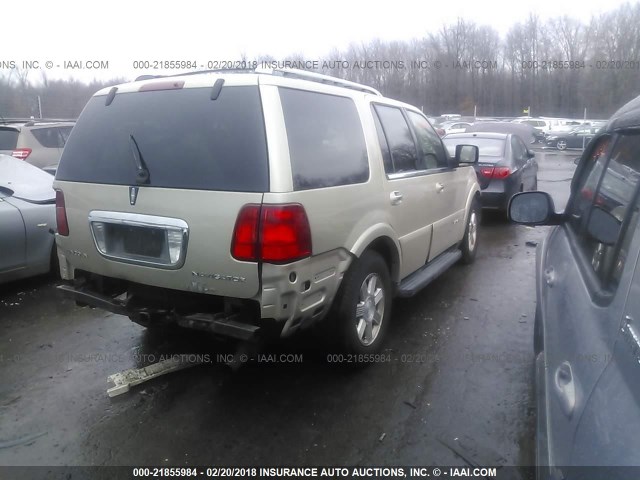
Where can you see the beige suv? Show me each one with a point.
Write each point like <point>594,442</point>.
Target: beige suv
<point>251,204</point>
<point>36,141</point>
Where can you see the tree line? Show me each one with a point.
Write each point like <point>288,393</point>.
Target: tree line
<point>557,67</point>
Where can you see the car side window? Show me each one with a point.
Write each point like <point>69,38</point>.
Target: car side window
<point>326,140</point>
<point>401,145</point>
<point>615,199</point>
<point>384,145</point>
<point>586,185</point>
<point>48,137</point>
<point>429,141</point>
<point>518,151</point>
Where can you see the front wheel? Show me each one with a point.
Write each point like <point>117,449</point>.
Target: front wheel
<point>469,244</point>
<point>362,309</point>
<point>561,145</point>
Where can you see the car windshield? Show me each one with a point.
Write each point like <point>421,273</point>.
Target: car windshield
<point>491,149</point>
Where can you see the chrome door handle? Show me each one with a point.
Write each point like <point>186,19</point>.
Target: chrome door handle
<point>439,187</point>
<point>395,198</point>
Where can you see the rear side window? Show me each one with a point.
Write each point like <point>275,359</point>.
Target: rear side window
<point>8,138</point>
<point>186,140</point>
<point>326,140</point>
<point>48,137</point>
<point>429,142</point>
<point>64,133</point>
<point>518,150</point>
<point>403,149</point>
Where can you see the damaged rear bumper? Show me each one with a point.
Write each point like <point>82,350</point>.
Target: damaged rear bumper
<point>234,325</point>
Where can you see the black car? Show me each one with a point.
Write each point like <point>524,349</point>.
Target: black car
<point>587,324</point>
<point>577,138</point>
<point>505,167</point>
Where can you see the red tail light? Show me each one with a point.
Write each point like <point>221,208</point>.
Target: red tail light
<point>495,172</point>
<point>61,215</point>
<point>486,172</point>
<point>501,172</point>
<point>21,153</point>
<point>271,233</point>
<point>285,234</point>
<point>244,245</point>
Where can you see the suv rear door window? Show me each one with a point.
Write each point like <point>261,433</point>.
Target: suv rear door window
<point>8,138</point>
<point>429,142</point>
<point>326,140</point>
<point>403,149</point>
<point>186,140</point>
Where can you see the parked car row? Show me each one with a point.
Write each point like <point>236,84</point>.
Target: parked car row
<point>280,154</point>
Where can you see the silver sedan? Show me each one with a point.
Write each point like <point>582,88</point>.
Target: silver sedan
<point>27,220</point>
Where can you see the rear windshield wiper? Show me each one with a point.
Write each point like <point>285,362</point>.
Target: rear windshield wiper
<point>142,172</point>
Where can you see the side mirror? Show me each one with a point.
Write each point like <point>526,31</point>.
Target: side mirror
<point>467,154</point>
<point>603,226</point>
<point>533,208</point>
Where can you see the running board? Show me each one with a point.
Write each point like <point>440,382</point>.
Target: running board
<point>423,277</point>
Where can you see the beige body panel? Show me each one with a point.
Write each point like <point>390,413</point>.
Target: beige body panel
<point>210,216</point>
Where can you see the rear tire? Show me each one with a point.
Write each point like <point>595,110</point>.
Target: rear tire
<point>469,245</point>
<point>362,309</point>
<point>561,145</point>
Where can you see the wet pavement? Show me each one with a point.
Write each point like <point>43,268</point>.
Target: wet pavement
<point>458,366</point>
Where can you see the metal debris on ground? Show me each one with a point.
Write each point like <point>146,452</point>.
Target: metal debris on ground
<point>382,437</point>
<point>530,243</point>
<point>124,380</point>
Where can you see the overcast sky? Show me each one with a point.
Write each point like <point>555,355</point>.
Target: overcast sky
<point>121,32</point>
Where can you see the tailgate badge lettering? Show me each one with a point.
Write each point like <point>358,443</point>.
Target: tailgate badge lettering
<point>133,195</point>
<point>217,276</point>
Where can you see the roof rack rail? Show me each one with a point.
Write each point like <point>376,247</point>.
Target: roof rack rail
<point>33,121</point>
<point>37,121</point>
<point>317,77</point>
<point>282,72</point>
<point>196,72</point>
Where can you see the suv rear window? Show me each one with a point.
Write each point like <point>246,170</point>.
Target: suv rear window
<point>51,137</point>
<point>326,141</point>
<point>8,138</point>
<point>186,140</point>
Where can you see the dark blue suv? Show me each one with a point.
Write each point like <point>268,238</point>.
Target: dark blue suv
<point>587,326</point>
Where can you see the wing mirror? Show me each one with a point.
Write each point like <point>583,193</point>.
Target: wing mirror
<point>467,154</point>
<point>533,208</point>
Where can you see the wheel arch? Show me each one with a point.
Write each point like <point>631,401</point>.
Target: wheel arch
<point>381,239</point>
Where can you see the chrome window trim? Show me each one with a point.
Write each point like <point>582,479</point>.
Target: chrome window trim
<point>416,173</point>
<point>141,220</point>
